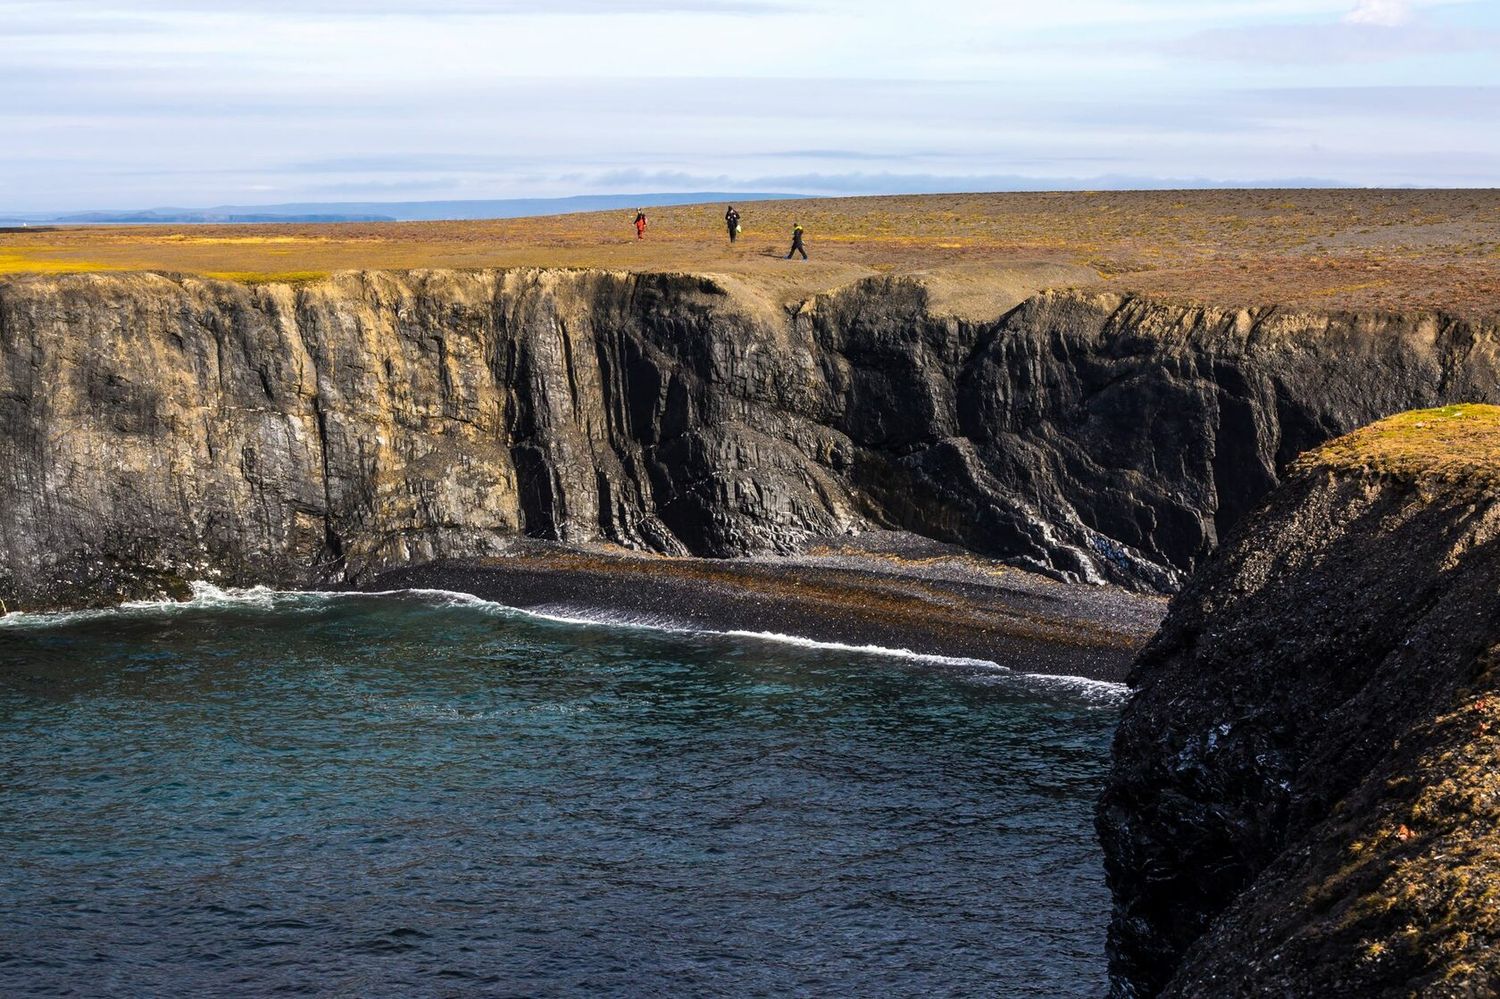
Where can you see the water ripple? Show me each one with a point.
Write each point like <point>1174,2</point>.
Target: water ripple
<point>422,794</point>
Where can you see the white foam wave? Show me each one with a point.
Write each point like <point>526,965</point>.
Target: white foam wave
<point>207,596</point>
<point>870,650</point>
<point>1099,691</point>
<point>25,619</point>
<point>1104,692</point>
<point>566,614</point>
<point>1089,689</point>
<point>434,598</point>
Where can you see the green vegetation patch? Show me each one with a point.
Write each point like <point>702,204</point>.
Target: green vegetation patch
<point>1452,444</point>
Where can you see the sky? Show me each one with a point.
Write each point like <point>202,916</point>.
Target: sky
<point>148,103</point>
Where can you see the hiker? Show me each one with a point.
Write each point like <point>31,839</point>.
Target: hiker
<point>732,219</point>
<point>640,224</point>
<point>797,246</point>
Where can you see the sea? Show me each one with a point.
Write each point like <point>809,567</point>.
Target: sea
<point>416,794</point>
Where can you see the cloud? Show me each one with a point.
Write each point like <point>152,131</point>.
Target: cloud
<point>40,26</point>
<point>423,162</point>
<point>862,183</point>
<point>1327,44</point>
<point>438,8</point>
<point>1382,13</point>
<point>514,98</point>
<point>1398,106</point>
<point>427,187</point>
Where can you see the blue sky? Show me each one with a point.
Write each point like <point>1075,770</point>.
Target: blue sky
<point>140,103</point>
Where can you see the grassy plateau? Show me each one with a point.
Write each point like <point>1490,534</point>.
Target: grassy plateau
<point>1320,249</point>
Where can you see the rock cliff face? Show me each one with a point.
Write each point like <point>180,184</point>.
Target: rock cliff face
<point>154,428</point>
<point>1305,798</point>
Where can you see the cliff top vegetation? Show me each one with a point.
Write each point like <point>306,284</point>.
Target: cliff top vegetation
<point>1456,444</point>
<point>1320,249</point>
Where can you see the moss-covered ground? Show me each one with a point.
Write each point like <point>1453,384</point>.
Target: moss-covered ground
<point>1454,444</point>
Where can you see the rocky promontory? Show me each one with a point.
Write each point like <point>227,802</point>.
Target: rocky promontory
<point>1305,798</point>
<point>160,428</point>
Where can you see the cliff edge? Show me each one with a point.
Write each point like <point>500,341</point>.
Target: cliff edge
<point>157,428</point>
<point>1305,798</point>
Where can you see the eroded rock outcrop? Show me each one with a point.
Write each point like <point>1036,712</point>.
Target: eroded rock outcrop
<point>1305,798</point>
<point>155,428</point>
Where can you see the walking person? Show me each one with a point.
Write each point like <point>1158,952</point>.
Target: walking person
<point>797,246</point>
<point>732,219</point>
<point>640,224</point>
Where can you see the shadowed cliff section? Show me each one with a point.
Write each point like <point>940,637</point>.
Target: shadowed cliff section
<point>1306,789</point>
<point>156,428</point>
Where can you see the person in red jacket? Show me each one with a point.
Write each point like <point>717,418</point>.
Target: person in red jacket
<point>640,224</point>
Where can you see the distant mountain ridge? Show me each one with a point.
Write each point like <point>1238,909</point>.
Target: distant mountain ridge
<point>376,211</point>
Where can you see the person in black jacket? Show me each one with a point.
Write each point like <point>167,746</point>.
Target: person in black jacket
<point>732,219</point>
<point>797,246</point>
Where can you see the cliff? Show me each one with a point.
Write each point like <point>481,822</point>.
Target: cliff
<point>1305,798</point>
<point>156,428</point>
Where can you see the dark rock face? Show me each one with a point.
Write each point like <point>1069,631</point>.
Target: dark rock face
<point>324,433</point>
<point>1305,798</point>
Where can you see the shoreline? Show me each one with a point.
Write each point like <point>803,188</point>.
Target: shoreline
<point>895,592</point>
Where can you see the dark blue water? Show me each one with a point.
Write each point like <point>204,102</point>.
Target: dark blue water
<point>406,796</point>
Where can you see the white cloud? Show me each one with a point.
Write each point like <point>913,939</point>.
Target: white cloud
<point>141,102</point>
<point>1327,45</point>
<point>1384,13</point>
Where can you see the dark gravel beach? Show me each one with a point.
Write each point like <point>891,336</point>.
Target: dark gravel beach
<point>887,590</point>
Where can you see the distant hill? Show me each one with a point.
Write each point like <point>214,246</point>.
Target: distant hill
<point>223,216</point>
<point>377,211</point>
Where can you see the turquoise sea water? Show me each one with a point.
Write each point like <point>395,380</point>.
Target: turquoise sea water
<point>264,794</point>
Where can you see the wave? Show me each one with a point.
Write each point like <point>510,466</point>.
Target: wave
<point>207,596</point>
<point>1083,686</point>
<point>1087,688</point>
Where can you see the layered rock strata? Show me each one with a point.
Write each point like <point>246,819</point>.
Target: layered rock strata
<point>158,428</point>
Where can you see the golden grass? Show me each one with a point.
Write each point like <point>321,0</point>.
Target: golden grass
<point>241,240</point>
<point>40,263</point>
<point>1455,444</point>
<point>1401,250</point>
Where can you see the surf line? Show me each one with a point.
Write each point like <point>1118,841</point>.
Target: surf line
<point>207,596</point>
<point>608,619</point>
